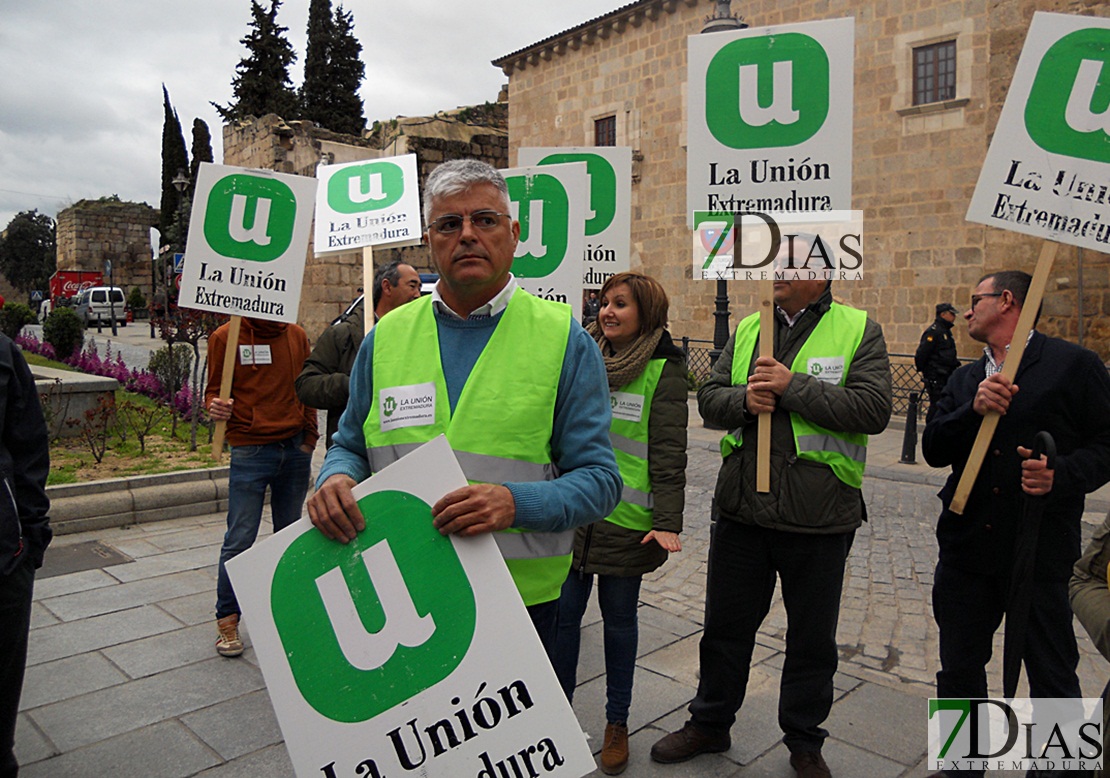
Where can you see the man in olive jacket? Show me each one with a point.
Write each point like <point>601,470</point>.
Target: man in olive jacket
<point>24,529</point>
<point>324,383</point>
<point>802,530</point>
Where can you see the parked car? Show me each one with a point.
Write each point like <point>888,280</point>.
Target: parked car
<point>96,304</point>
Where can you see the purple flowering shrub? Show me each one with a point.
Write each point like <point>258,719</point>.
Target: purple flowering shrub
<point>89,360</point>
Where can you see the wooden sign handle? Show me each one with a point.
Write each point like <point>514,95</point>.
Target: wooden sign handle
<point>1009,370</point>
<point>766,349</point>
<point>367,289</point>
<point>225,383</point>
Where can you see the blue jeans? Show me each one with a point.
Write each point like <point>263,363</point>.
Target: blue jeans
<point>282,467</point>
<point>618,597</point>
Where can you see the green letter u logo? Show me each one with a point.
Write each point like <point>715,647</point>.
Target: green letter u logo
<point>249,217</point>
<point>369,187</point>
<point>1068,110</point>
<point>544,223</point>
<point>770,90</point>
<point>415,607</point>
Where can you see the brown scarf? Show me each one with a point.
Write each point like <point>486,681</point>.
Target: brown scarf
<point>629,363</point>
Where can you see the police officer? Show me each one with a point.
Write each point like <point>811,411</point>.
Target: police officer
<point>936,354</point>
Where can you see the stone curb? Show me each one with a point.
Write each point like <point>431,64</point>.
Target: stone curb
<point>117,502</point>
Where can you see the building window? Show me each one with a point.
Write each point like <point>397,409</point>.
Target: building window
<point>605,131</point>
<point>934,73</point>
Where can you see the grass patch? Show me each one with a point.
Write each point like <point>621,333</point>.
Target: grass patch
<point>72,459</point>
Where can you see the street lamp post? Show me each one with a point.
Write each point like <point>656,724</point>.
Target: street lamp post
<point>721,21</point>
<point>181,183</point>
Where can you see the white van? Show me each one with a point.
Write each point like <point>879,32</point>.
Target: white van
<point>94,306</point>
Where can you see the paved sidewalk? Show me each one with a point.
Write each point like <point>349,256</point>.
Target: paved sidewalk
<point>123,678</point>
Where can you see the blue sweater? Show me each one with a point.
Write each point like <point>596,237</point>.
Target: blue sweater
<point>589,485</point>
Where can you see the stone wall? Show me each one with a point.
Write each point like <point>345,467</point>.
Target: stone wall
<point>92,231</point>
<point>331,281</point>
<point>914,169</point>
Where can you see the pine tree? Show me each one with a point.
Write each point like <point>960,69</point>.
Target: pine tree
<point>333,70</point>
<point>174,160</point>
<point>262,84</point>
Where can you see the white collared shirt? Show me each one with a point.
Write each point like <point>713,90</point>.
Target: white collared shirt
<point>996,367</point>
<point>496,305</point>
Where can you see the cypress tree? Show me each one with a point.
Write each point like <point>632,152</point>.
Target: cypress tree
<point>315,91</point>
<point>346,73</point>
<point>261,84</point>
<point>202,147</point>
<point>174,159</point>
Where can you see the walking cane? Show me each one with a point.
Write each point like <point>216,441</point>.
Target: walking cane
<point>1021,578</point>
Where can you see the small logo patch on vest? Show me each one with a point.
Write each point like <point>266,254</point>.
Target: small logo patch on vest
<point>827,369</point>
<point>626,406</point>
<point>407,406</point>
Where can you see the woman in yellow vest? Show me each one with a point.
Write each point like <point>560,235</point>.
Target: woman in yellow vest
<point>648,394</point>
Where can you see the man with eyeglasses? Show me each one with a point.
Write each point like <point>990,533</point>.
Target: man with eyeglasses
<point>324,381</point>
<point>1063,389</point>
<point>519,389</point>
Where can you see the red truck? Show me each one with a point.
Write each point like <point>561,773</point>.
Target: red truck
<point>68,283</point>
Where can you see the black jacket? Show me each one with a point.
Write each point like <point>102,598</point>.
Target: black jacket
<point>1063,389</point>
<point>24,463</point>
<point>936,356</point>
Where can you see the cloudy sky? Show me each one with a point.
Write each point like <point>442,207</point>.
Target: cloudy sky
<point>81,90</point>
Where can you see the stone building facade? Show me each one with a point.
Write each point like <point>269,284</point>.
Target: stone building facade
<point>331,281</point>
<point>92,231</point>
<point>915,166</point>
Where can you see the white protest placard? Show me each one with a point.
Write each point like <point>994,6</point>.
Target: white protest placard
<point>248,238</point>
<point>549,201</point>
<point>372,202</point>
<point>404,652</point>
<point>769,120</point>
<point>608,240</point>
<point>1047,172</point>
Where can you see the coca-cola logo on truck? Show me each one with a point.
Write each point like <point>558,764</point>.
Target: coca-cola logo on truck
<point>70,283</point>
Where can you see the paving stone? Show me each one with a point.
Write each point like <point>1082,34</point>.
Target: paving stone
<point>41,617</point>
<point>59,585</point>
<point>30,744</point>
<point>653,696</point>
<point>191,537</point>
<point>237,727</point>
<point>82,605</point>
<point>843,760</point>
<point>92,634</point>
<point>890,723</point>
<point>193,609</point>
<point>165,750</point>
<point>67,678</point>
<point>163,564</point>
<point>81,721</point>
<point>272,762</point>
<point>157,653</point>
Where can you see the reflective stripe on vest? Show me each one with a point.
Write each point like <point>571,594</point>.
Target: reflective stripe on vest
<point>837,335</point>
<point>628,433</point>
<point>501,428</point>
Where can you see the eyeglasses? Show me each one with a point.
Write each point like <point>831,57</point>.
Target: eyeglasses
<point>975,298</point>
<point>453,222</point>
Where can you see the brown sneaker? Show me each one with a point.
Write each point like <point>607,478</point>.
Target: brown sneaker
<point>809,764</point>
<point>687,743</point>
<point>614,754</point>
<point>229,643</point>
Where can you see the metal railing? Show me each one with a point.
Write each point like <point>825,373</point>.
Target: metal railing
<point>903,374</point>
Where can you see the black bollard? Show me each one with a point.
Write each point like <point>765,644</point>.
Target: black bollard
<point>909,439</point>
